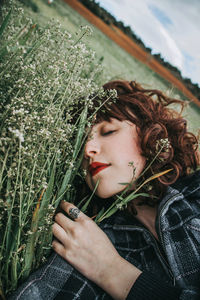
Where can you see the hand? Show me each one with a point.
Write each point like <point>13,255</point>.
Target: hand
<point>86,247</point>
<point>83,244</point>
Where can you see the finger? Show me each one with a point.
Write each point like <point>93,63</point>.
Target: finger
<point>60,233</point>
<point>64,221</point>
<point>73,211</point>
<point>58,248</point>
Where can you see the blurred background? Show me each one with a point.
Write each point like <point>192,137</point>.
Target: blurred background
<point>153,42</point>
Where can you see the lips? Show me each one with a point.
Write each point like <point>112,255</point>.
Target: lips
<point>96,167</point>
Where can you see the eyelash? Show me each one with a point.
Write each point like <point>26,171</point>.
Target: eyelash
<point>108,132</point>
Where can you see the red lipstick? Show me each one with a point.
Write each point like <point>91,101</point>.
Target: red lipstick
<point>96,167</point>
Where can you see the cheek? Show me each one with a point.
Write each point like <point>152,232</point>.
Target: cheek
<point>140,164</point>
<point>131,157</point>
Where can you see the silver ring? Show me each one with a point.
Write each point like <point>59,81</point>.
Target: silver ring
<point>74,213</point>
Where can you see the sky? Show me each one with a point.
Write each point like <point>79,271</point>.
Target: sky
<point>168,27</point>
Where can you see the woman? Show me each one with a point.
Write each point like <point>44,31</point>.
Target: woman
<point>151,249</point>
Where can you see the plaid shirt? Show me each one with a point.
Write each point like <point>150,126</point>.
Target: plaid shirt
<point>175,260</point>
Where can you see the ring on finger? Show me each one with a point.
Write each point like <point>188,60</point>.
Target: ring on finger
<point>74,213</point>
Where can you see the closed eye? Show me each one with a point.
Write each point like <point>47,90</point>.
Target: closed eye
<point>108,132</point>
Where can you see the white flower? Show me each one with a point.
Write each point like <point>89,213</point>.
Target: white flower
<point>30,232</point>
<point>163,144</point>
<point>87,29</point>
<point>120,205</point>
<point>17,134</point>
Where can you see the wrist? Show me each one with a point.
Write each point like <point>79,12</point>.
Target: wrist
<point>118,278</point>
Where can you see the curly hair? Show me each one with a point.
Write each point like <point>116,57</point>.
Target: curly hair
<point>156,122</point>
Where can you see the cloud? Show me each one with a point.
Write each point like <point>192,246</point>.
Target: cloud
<point>160,15</point>
<point>185,31</point>
<point>172,52</point>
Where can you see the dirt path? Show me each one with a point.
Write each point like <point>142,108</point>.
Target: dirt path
<point>131,47</point>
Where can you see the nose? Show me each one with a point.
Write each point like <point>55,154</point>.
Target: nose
<point>92,148</point>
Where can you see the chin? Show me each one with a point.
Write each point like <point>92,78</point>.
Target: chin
<point>106,194</point>
<point>103,196</point>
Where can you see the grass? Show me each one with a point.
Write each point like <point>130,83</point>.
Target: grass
<point>43,109</point>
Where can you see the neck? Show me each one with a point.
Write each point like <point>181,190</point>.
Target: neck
<point>147,215</point>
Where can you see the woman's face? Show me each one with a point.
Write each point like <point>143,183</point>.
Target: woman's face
<point>111,152</point>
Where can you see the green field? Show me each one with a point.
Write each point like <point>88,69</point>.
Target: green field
<point>117,63</point>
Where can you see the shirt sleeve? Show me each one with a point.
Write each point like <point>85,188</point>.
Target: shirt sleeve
<point>150,287</point>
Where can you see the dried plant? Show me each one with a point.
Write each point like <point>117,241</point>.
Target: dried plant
<point>46,80</point>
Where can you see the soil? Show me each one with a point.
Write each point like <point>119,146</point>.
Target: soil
<point>131,47</point>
